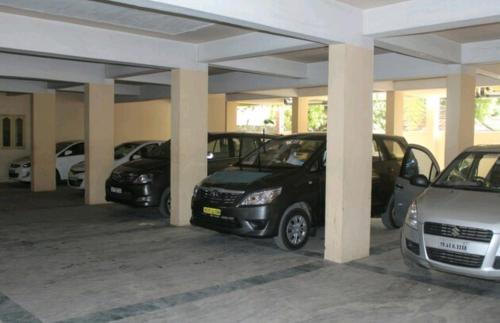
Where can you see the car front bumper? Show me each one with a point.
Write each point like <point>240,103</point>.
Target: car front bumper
<point>142,195</point>
<point>489,267</point>
<point>76,180</point>
<point>21,174</point>
<point>249,221</point>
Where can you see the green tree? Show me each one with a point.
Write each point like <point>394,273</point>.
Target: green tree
<point>317,117</point>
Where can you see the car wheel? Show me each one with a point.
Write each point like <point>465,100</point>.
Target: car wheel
<point>165,203</point>
<point>58,178</point>
<point>294,230</point>
<point>388,216</point>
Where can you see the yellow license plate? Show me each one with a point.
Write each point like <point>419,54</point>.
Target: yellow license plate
<point>212,211</point>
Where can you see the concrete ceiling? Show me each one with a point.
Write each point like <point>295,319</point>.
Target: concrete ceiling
<point>365,4</point>
<point>472,34</point>
<point>122,18</point>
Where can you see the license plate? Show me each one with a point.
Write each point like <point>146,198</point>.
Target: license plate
<point>212,211</point>
<point>116,190</point>
<point>455,246</point>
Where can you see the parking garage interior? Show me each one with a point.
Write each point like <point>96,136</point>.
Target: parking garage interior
<point>115,71</point>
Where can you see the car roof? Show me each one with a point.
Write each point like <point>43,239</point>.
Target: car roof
<point>322,135</point>
<point>484,148</point>
<point>241,134</point>
<point>140,142</point>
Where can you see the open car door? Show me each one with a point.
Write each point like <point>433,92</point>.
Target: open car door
<point>419,168</point>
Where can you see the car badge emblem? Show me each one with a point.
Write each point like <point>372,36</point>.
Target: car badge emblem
<point>455,231</point>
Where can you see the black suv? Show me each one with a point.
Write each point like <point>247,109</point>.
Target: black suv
<point>279,190</point>
<point>146,182</point>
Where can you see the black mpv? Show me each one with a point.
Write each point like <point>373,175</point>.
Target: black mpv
<point>146,182</point>
<point>279,190</point>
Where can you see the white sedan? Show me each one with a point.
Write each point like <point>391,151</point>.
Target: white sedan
<point>123,153</point>
<point>68,153</point>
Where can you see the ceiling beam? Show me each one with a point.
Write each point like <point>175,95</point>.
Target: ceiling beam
<point>423,16</point>
<point>484,52</point>
<point>426,46</point>
<point>119,71</point>
<point>62,39</point>
<point>250,45</point>
<point>40,68</point>
<point>120,89</point>
<point>162,78</point>
<point>22,86</point>
<point>266,65</point>
<point>318,21</point>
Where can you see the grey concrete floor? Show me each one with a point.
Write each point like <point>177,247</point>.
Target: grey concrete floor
<point>62,261</point>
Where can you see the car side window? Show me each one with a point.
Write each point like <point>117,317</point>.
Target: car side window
<point>395,149</point>
<point>146,150</point>
<point>76,150</point>
<point>219,148</point>
<point>376,154</point>
<point>236,147</point>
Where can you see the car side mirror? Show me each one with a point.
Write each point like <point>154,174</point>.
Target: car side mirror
<point>210,155</point>
<point>67,152</point>
<point>420,180</point>
<point>135,157</point>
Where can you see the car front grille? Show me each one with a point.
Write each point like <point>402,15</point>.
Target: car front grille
<point>458,232</point>
<point>219,196</point>
<point>455,258</point>
<point>15,165</point>
<point>123,177</point>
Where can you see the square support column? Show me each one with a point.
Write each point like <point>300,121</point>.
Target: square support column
<point>349,153</point>
<point>231,116</point>
<point>43,142</point>
<point>394,113</point>
<point>217,112</point>
<point>99,140</point>
<point>300,109</point>
<point>189,140</point>
<point>461,90</point>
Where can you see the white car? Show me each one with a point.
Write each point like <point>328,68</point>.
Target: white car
<point>123,153</point>
<point>68,153</point>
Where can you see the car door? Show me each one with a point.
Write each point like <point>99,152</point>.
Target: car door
<point>417,160</point>
<point>393,151</point>
<point>378,176</point>
<point>69,157</point>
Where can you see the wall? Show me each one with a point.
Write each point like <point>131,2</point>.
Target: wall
<point>133,121</point>
<point>15,105</point>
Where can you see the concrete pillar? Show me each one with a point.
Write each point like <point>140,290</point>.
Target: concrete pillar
<point>231,114</point>
<point>43,142</point>
<point>217,112</point>
<point>99,140</point>
<point>461,87</point>
<point>349,149</point>
<point>189,139</point>
<point>300,108</point>
<point>394,113</point>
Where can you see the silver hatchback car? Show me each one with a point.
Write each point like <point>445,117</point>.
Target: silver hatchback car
<point>453,224</point>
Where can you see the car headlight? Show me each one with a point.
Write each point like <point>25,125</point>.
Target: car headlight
<point>195,190</point>
<point>261,197</point>
<point>143,179</point>
<point>412,216</point>
<point>26,165</point>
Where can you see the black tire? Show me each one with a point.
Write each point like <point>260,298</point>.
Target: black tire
<point>294,229</point>
<point>165,203</point>
<point>388,215</point>
<point>58,178</point>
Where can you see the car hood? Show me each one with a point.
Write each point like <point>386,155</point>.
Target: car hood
<point>80,167</point>
<point>144,165</point>
<point>22,160</point>
<point>460,207</point>
<point>248,179</point>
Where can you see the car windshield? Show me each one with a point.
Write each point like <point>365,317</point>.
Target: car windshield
<point>283,153</point>
<point>124,149</point>
<point>478,171</point>
<point>160,152</point>
<point>61,145</point>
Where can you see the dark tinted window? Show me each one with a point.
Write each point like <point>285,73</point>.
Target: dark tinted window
<point>159,152</point>
<point>249,145</point>
<point>76,150</point>
<point>125,149</point>
<point>19,132</point>
<point>6,132</point>
<point>376,154</point>
<point>219,148</point>
<point>147,150</point>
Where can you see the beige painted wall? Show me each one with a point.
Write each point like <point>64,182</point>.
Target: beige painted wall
<point>133,121</point>
<point>15,105</point>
